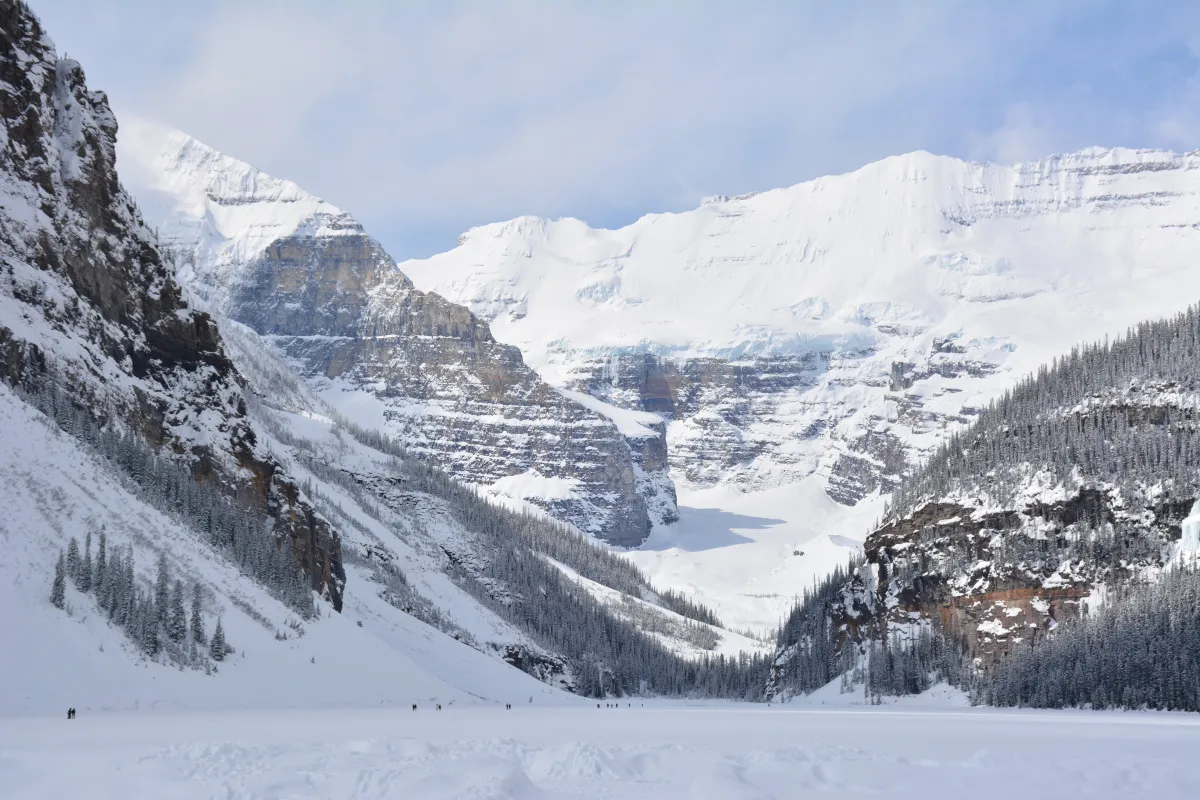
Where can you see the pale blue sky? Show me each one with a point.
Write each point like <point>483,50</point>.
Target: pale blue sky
<point>423,119</point>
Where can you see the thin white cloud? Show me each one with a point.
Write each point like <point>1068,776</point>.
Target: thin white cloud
<point>1022,137</point>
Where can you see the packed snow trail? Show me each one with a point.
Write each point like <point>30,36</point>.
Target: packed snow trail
<point>658,751</point>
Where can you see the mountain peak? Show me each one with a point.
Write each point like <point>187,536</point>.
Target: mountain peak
<point>217,210</point>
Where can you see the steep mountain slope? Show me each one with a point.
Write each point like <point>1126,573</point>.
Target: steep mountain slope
<point>1080,478</point>
<point>502,580</point>
<point>266,253</point>
<point>838,326</point>
<point>143,463</point>
<point>89,308</point>
<point>1073,489</point>
<point>370,654</point>
<point>126,431</point>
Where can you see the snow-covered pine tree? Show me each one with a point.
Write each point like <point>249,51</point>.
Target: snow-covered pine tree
<point>217,647</point>
<point>85,569</point>
<point>73,560</point>
<point>149,625</point>
<point>58,591</point>
<point>197,622</point>
<point>128,592</point>
<point>162,591</point>
<point>101,565</point>
<point>114,572</point>
<point>177,626</point>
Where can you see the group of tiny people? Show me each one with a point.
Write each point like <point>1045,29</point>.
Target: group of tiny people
<point>507,706</point>
<point>70,713</point>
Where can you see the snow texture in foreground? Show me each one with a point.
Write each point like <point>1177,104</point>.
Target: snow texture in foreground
<point>666,751</point>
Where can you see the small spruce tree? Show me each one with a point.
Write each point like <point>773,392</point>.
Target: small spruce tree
<point>197,623</point>
<point>162,591</point>
<point>101,567</point>
<point>177,626</point>
<point>58,591</point>
<point>217,647</point>
<point>73,560</point>
<point>84,582</point>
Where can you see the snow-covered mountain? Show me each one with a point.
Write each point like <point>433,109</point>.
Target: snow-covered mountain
<point>91,312</point>
<point>148,458</point>
<point>125,421</point>
<point>815,340</point>
<point>838,326</point>
<point>304,274</point>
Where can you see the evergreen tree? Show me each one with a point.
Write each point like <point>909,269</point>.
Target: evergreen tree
<point>73,560</point>
<point>85,569</point>
<point>58,591</point>
<point>149,625</point>
<point>217,646</point>
<point>101,566</point>
<point>177,627</point>
<point>197,622</point>
<point>129,593</point>
<point>162,591</point>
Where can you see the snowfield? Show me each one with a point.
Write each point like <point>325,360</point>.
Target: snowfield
<point>749,555</point>
<point>723,752</point>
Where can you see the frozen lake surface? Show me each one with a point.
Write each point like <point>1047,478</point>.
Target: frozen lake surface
<point>728,752</point>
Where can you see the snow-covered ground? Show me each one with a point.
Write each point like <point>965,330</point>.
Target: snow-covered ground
<point>747,555</point>
<point>725,752</point>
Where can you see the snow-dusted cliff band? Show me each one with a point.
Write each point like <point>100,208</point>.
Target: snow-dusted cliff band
<point>307,277</point>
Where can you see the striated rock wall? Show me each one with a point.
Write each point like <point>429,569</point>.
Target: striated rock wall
<point>338,306</point>
<point>771,420</point>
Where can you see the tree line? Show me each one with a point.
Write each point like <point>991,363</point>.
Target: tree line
<point>236,529</point>
<point>153,618</point>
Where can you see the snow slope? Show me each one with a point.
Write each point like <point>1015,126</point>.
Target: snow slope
<point>667,751</point>
<point>52,659</point>
<point>749,555</point>
<point>920,244</point>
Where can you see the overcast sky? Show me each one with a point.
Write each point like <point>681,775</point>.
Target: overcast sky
<point>426,119</point>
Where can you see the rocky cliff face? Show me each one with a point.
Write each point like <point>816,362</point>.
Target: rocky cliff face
<point>1077,482</point>
<point>1001,579</point>
<point>85,293</point>
<point>840,327</point>
<point>427,371</point>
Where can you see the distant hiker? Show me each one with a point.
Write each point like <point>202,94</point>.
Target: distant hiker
<point>439,706</point>
<point>414,706</point>
<point>69,712</point>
